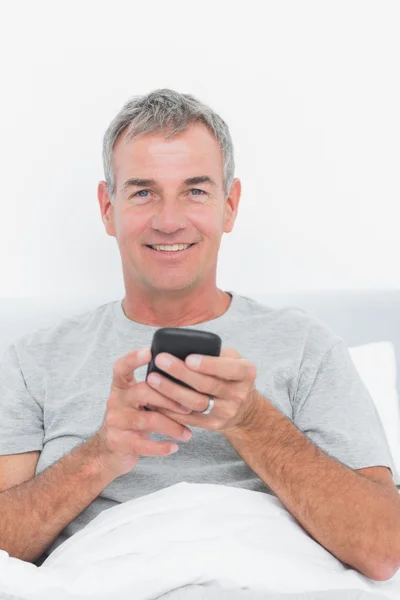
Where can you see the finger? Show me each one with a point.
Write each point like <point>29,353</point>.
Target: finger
<point>146,447</point>
<point>180,371</point>
<point>143,394</point>
<point>230,352</point>
<point>227,368</point>
<point>179,394</point>
<point>125,365</point>
<point>141,421</point>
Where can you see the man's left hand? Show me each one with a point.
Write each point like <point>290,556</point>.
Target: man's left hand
<point>228,378</point>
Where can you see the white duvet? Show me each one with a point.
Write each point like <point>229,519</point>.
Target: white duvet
<point>186,534</point>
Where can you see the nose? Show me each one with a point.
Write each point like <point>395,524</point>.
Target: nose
<point>169,217</point>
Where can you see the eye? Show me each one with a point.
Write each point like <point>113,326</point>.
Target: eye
<point>203,193</point>
<point>139,192</point>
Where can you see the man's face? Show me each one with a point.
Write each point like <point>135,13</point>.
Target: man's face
<point>169,211</point>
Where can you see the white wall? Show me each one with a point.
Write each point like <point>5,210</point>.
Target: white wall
<point>310,91</point>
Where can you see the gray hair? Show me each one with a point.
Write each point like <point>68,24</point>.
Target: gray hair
<point>163,110</point>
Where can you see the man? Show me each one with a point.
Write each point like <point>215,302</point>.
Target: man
<point>282,410</point>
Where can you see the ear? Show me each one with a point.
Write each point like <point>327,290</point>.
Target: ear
<point>231,205</point>
<point>106,208</point>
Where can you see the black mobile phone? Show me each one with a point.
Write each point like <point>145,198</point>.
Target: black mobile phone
<point>181,342</point>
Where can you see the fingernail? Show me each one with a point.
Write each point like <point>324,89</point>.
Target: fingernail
<point>193,360</point>
<point>142,353</point>
<point>163,361</point>
<point>184,409</point>
<point>154,379</point>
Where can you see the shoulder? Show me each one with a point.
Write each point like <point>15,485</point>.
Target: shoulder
<point>65,333</point>
<point>291,322</point>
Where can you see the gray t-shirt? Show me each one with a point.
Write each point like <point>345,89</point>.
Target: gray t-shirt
<point>55,382</point>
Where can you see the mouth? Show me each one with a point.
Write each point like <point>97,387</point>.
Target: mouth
<point>171,253</point>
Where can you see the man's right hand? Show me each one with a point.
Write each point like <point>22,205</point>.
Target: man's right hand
<point>124,434</point>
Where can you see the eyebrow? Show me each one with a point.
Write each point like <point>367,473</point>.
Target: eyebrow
<point>137,182</point>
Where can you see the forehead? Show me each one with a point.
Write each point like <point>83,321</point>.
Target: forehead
<point>181,156</point>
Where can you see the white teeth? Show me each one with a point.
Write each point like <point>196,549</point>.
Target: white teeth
<point>173,248</point>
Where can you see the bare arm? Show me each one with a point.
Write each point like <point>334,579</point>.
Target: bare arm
<point>354,518</point>
<point>35,512</point>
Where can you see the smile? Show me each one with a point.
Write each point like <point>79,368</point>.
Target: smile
<point>176,250</point>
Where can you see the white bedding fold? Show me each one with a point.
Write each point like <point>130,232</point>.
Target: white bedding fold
<point>186,534</point>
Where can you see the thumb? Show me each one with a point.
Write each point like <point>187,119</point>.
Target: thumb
<point>125,365</point>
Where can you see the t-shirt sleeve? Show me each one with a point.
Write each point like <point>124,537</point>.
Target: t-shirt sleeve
<point>21,416</point>
<point>334,409</point>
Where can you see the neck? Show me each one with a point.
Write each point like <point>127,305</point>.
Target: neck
<point>173,310</point>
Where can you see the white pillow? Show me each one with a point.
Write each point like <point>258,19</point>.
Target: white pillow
<point>376,364</point>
